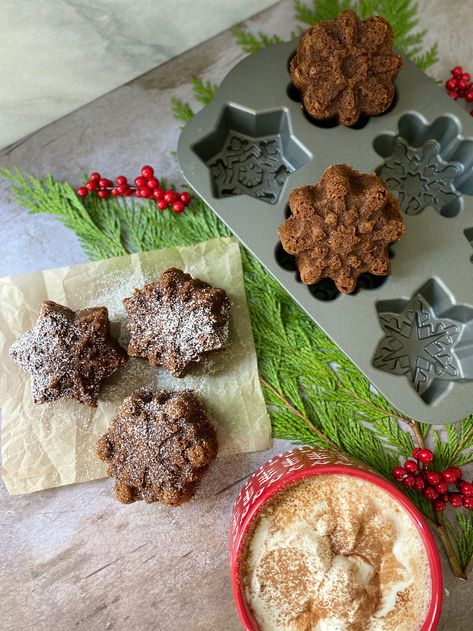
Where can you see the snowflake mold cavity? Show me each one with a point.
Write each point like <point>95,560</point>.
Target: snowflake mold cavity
<point>427,165</point>
<point>251,153</point>
<point>428,339</point>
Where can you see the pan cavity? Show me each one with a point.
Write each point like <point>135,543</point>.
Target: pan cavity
<point>428,339</point>
<point>428,165</point>
<point>251,153</point>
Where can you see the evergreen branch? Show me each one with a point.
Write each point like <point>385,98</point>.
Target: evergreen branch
<point>181,110</point>
<point>204,91</point>
<point>251,42</point>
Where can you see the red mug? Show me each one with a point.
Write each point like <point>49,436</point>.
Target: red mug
<point>296,465</point>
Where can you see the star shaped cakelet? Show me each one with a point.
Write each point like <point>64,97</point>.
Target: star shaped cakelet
<point>177,322</point>
<point>346,67</point>
<point>68,353</point>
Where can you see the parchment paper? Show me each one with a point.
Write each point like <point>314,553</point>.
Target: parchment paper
<point>53,444</point>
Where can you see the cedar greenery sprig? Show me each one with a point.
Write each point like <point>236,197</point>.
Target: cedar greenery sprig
<point>309,402</point>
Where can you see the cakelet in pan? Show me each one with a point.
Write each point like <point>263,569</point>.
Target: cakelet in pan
<point>346,68</point>
<point>68,353</point>
<point>342,227</point>
<point>159,446</point>
<point>177,322</point>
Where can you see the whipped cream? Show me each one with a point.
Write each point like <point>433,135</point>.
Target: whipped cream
<point>336,553</point>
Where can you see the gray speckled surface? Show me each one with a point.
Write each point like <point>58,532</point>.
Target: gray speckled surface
<point>73,557</point>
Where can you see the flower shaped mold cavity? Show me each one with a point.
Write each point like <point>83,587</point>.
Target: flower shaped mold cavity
<point>428,339</point>
<point>428,165</point>
<point>251,153</point>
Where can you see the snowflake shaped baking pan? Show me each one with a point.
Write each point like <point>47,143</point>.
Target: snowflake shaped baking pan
<point>247,150</point>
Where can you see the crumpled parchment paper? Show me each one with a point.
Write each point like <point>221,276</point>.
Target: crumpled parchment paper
<point>53,444</point>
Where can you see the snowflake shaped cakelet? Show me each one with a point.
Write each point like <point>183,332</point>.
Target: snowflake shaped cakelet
<point>68,353</point>
<point>346,67</point>
<point>422,178</point>
<point>341,227</point>
<point>177,322</point>
<point>419,345</point>
<point>159,446</point>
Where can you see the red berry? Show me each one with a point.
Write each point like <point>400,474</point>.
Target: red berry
<point>430,493</point>
<point>466,488</point>
<point>420,484</point>
<point>457,472</point>
<point>94,176</point>
<point>103,194</point>
<point>462,85</point>
<point>122,189</point>
<point>153,183</point>
<point>441,487</point>
<point>451,84</point>
<point>170,197</point>
<point>147,172</point>
<point>161,204</point>
<point>449,476</point>
<point>453,95</point>
<point>466,76</point>
<point>92,185</point>
<point>409,480</point>
<point>468,502</point>
<point>121,180</point>
<point>115,192</point>
<point>410,466</point>
<point>140,182</point>
<point>469,96</point>
<point>128,192</point>
<point>439,505</point>
<point>455,499</point>
<point>457,71</point>
<point>416,451</point>
<point>138,193</point>
<point>158,193</point>
<point>104,182</point>
<point>398,473</point>
<point>425,455</point>
<point>178,207</point>
<point>186,198</point>
<point>83,191</point>
<point>432,477</point>
<point>146,192</point>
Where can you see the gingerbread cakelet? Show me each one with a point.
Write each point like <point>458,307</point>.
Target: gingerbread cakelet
<point>346,67</point>
<point>159,446</point>
<point>68,353</point>
<point>341,227</point>
<point>177,322</point>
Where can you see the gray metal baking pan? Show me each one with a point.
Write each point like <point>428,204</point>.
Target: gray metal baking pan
<point>411,333</point>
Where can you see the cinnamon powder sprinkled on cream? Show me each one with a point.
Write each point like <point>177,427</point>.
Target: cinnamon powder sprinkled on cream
<point>335,553</point>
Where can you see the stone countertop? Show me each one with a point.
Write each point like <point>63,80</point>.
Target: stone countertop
<point>101,43</point>
<point>73,557</point>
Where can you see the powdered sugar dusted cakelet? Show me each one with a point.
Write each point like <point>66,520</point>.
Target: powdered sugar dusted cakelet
<point>159,446</point>
<point>68,353</point>
<point>336,553</point>
<point>177,322</point>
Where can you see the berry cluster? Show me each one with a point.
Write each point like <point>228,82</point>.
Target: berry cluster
<point>434,485</point>
<point>459,86</point>
<point>145,186</point>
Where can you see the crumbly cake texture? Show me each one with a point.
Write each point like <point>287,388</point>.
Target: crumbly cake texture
<point>68,353</point>
<point>177,322</point>
<point>346,68</point>
<point>159,446</point>
<point>342,227</point>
